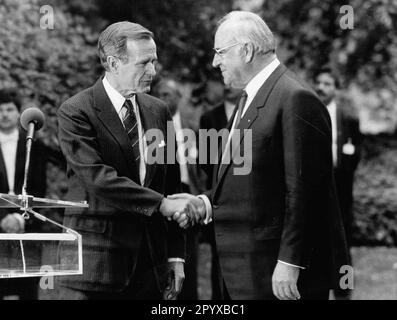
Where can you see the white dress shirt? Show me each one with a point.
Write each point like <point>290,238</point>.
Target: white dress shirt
<point>257,82</point>
<point>229,108</point>
<point>117,101</point>
<point>180,140</point>
<point>331,107</point>
<point>9,143</point>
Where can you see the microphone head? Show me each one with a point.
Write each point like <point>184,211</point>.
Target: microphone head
<point>34,115</point>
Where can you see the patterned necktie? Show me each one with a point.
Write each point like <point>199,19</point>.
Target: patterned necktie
<point>240,106</point>
<point>131,126</point>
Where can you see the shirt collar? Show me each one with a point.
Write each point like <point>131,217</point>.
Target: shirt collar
<point>177,117</point>
<point>331,105</point>
<point>115,97</point>
<point>256,82</point>
<point>13,136</point>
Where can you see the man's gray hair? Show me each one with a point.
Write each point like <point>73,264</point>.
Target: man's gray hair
<point>113,40</point>
<point>249,27</point>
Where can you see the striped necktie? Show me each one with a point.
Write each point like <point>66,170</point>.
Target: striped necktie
<point>131,126</point>
<point>240,107</point>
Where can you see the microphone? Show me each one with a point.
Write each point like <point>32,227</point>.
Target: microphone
<point>31,119</point>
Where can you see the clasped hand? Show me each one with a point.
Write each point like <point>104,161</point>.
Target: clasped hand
<point>186,209</point>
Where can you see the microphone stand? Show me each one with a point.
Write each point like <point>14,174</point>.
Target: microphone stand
<point>29,141</point>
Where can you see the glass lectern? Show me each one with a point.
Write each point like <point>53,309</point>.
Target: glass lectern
<point>35,254</point>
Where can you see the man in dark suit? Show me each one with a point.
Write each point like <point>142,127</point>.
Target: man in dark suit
<point>278,227</point>
<point>12,168</point>
<point>346,141</point>
<point>129,247</point>
<point>346,145</point>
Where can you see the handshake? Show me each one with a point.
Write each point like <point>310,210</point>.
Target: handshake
<point>186,209</point>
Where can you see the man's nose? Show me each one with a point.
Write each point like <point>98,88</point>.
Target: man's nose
<point>152,69</point>
<point>215,61</point>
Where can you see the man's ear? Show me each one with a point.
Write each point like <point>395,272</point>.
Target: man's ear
<point>249,51</point>
<point>113,64</point>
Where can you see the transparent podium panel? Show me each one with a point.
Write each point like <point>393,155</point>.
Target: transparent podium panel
<point>36,254</point>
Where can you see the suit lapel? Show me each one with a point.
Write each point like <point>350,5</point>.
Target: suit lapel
<point>252,114</point>
<point>339,134</point>
<point>111,121</point>
<point>150,120</point>
<point>4,180</point>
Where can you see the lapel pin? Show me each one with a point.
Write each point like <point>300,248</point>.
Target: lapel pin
<point>162,144</point>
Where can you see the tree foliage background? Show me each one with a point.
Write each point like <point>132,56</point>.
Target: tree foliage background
<point>49,65</point>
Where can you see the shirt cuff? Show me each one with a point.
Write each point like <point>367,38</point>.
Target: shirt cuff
<point>208,208</point>
<point>292,265</point>
<point>176,260</point>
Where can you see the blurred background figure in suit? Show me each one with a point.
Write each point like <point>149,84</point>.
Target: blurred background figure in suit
<point>192,179</point>
<point>346,145</point>
<point>12,165</point>
<point>216,118</point>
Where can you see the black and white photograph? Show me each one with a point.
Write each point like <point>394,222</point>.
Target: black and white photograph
<point>198,152</point>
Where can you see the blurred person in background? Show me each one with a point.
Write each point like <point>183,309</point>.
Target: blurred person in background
<point>168,90</point>
<point>217,118</point>
<point>346,146</point>
<point>12,167</point>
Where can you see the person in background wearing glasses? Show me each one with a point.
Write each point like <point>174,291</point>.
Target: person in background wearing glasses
<point>278,228</point>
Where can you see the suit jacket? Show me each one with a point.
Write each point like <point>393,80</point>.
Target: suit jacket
<point>212,119</point>
<point>40,155</point>
<point>37,173</point>
<point>122,214</point>
<point>286,207</point>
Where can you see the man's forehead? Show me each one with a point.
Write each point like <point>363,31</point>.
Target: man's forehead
<point>141,45</point>
<point>224,34</point>
<point>8,105</point>
<point>325,77</point>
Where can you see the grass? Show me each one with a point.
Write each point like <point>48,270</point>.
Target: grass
<point>375,277</point>
<point>375,274</point>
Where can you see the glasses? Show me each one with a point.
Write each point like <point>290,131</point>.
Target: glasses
<point>223,50</point>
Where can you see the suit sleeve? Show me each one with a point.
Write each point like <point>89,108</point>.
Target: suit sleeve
<point>307,162</point>
<point>79,144</point>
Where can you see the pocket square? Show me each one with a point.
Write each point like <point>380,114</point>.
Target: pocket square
<point>162,144</point>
